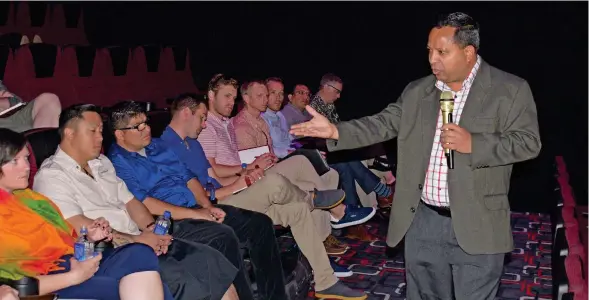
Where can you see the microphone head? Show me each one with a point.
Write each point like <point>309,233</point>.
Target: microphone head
<point>446,95</point>
<point>447,101</point>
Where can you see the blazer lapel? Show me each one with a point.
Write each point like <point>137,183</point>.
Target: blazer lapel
<point>430,108</point>
<point>476,95</point>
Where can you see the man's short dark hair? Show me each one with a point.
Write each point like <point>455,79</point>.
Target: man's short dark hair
<point>121,113</point>
<point>248,84</point>
<point>190,100</point>
<point>273,79</point>
<point>467,29</point>
<point>330,77</point>
<point>74,113</point>
<point>11,143</point>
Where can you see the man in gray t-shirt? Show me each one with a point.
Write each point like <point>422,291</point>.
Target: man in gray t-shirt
<point>43,111</point>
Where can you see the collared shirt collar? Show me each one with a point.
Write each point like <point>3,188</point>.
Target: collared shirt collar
<point>217,118</point>
<point>117,149</point>
<point>467,82</point>
<point>69,163</point>
<point>271,113</point>
<point>171,136</point>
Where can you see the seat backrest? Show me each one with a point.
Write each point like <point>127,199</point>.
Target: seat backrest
<point>42,143</point>
<point>158,120</point>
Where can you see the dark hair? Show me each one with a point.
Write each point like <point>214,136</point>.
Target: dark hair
<point>11,142</point>
<point>121,113</point>
<point>74,113</point>
<point>190,100</point>
<point>273,79</point>
<point>329,77</point>
<point>294,87</point>
<point>248,84</point>
<point>467,29</point>
<point>219,80</point>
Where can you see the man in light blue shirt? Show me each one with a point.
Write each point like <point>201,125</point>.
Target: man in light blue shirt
<point>281,139</point>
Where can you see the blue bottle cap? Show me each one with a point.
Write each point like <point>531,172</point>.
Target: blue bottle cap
<point>244,166</point>
<point>167,214</point>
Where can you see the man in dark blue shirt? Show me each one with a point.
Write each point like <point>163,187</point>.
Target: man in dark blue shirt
<point>273,195</point>
<point>156,178</point>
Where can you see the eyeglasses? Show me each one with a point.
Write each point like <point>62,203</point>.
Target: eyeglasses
<point>336,89</point>
<point>140,127</point>
<point>302,93</point>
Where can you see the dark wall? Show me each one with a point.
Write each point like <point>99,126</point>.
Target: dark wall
<point>377,48</point>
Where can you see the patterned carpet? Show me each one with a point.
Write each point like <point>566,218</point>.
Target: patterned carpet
<point>527,272</point>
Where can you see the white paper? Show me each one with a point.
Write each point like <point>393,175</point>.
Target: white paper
<point>12,108</point>
<point>249,155</point>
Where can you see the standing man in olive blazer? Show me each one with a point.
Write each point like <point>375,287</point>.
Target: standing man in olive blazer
<point>456,221</point>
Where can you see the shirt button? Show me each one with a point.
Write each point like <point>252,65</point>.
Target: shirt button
<point>420,186</point>
<point>412,209</point>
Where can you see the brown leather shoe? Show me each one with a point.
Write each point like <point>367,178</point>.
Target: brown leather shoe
<point>359,232</point>
<point>385,202</point>
<point>334,247</point>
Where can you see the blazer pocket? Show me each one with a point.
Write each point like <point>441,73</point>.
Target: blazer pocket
<point>484,124</point>
<point>496,202</point>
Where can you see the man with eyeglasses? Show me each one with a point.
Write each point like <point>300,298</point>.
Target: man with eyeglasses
<point>330,89</point>
<point>294,111</point>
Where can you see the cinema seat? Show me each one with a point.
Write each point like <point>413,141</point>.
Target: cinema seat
<point>42,143</point>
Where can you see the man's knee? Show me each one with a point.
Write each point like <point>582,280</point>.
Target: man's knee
<point>276,181</point>
<point>48,100</point>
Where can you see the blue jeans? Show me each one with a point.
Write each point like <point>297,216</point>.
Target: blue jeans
<point>115,265</point>
<point>351,172</point>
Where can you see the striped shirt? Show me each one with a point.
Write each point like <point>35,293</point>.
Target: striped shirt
<point>435,189</point>
<point>251,131</point>
<point>218,140</point>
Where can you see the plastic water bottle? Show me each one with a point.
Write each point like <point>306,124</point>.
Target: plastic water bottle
<point>163,223</point>
<point>210,187</point>
<point>83,248</point>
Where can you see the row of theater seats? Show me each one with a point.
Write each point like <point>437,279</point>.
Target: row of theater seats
<point>102,76</point>
<point>569,253</point>
<point>54,26</point>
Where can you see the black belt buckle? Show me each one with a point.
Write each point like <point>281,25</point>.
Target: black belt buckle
<point>443,211</point>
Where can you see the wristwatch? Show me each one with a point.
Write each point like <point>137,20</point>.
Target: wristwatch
<point>243,169</point>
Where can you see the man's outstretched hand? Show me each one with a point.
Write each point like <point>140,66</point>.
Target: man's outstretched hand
<point>318,126</point>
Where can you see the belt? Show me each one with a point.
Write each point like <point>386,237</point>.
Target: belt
<point>443,211</point>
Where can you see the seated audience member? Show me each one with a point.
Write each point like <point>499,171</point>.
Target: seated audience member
<point>42,111</point>
<point>330,89</point>
<point>294,111</point>
<point>38,242</point>
<point>273,195</point>
<point>249,127</point>
<point>157,178</point>
<point>83,184</point>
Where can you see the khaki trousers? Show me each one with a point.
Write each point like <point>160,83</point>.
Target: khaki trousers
<point>300,172</point>
<point>288,205</point>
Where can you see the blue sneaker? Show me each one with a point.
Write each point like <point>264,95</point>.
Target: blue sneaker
<point>339,271</point>
<point>354,216</point>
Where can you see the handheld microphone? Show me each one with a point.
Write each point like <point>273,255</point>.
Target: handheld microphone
<point>447,106</point>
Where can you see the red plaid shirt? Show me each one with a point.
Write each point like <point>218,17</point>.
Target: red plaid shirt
<point>435,188</point>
